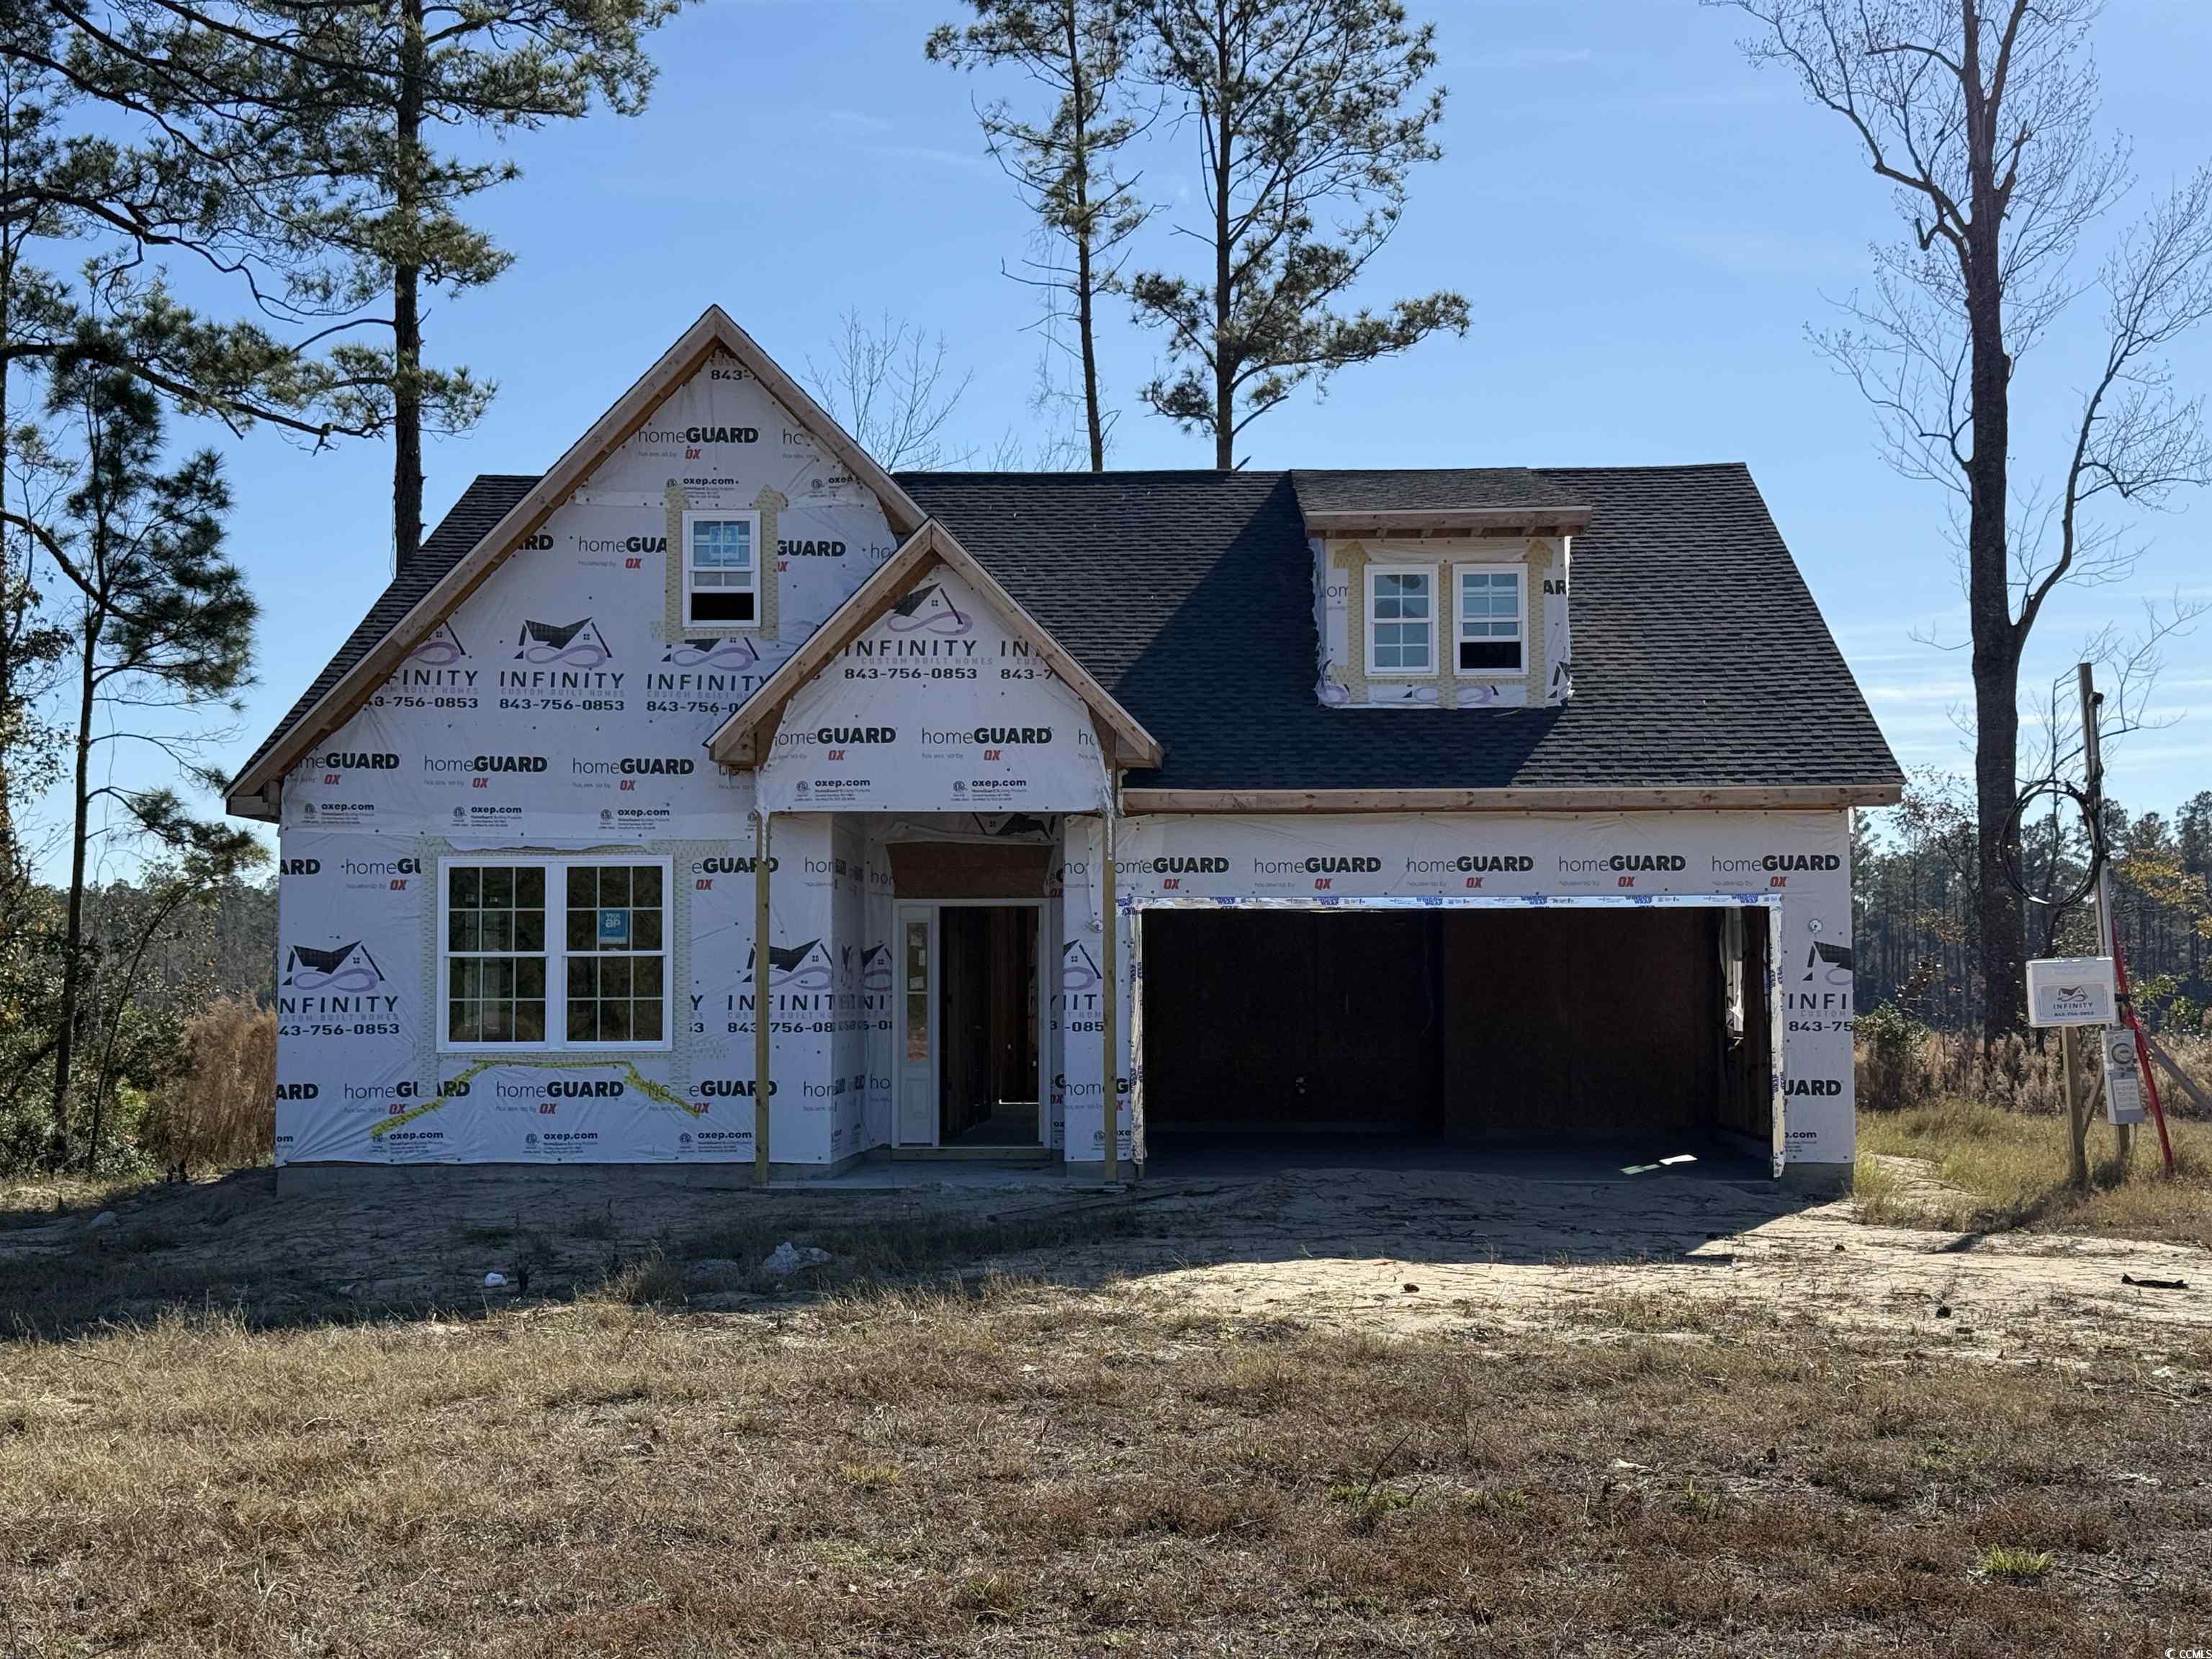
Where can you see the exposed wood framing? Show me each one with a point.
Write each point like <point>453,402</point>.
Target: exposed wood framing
<point>252,794</point>
<point>1654,800</point>
<point>764,1090</point>
<point>1109,986</point>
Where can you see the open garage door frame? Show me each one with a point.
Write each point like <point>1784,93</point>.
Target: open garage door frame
<point>1771,991</point>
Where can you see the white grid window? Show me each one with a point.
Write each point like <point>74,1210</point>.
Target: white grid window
<point>721,570</point>
<point>1402,620</point>
<point>553,953</point>
<point>1492,619</point>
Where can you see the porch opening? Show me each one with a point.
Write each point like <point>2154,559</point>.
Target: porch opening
<point>971,1073</point>
<point>1644,1031</point>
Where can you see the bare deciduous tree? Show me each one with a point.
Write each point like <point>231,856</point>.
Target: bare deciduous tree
<point>1981,115</point>
<point>890,386</point>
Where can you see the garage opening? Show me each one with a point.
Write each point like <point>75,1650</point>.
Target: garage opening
<point>1504,1025</point>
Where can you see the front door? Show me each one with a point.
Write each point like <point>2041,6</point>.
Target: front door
<point>917,1027</point>
<point>970,1035</point>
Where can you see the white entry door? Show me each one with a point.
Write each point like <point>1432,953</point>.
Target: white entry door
<point>918,1115</point>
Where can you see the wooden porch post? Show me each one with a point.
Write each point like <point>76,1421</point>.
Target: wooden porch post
<point>1109,953</point>
<point>760,1011</point>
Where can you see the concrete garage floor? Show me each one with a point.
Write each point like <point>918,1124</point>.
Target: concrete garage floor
<point>1244,1157</point>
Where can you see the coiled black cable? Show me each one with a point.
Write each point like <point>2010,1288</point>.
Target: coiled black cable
<point>2016,878</point>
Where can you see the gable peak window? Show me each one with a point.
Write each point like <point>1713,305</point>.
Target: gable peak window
<point>721,570</point>
<point>1490,619</point>
<point>1402,619</point>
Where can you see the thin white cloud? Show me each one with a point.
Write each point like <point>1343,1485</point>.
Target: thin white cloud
<point>1529,57</point>
<point>930,155</point>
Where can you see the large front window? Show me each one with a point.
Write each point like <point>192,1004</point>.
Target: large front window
<point>1402,621</point>
<point>554,953</point>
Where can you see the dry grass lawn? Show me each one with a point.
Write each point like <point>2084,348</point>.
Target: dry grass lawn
<point>1994,1170</point>
<point>1016,1469</point>
<point>1326,1412</point>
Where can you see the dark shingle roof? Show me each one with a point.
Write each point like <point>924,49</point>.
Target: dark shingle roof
<point>1702,660</point>
<point>1427,489</point>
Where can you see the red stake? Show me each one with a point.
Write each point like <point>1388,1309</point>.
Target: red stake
<point>2142,1047</point>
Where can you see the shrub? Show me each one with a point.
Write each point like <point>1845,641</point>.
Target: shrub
<point>217,1111</point>
<point>1887,1040</point>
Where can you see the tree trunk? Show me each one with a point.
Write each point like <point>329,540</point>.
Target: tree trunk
<point>1224,358</point>
<point>1997,640</point>
<point>1084,230</point>
<point>73,934</point>
<point>406,299</point>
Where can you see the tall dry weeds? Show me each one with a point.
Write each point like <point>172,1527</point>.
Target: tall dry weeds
<point>1899,1070</point>
<point>218,1112</point>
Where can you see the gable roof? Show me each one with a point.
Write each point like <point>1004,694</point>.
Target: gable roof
<point>1188,598</point>
<point>423,594</point>
<point>737,741</point>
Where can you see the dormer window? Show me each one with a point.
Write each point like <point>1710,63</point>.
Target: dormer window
<point>721,570</point>
<point>1490,619</point>
<point>1402,620</point>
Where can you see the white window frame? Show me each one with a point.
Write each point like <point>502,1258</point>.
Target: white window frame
<point>1520,574</point>
<point>693,516</point>
<point>1435,629</point>
<point>556,951</point>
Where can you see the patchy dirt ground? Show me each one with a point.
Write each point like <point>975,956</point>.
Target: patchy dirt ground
<point>1390,1252</point>
<point>1319,1413</point>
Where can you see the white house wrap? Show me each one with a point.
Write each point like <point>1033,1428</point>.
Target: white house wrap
<point>1391,854</point>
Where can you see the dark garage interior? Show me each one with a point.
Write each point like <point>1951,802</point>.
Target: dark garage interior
<point>1503,1025</point>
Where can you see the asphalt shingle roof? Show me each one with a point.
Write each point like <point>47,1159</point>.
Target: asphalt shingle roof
<point>1426,490</point>
<point>1701,659</point>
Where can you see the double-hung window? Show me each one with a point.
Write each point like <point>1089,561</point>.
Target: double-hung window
<point>553,953</point>
<point>1490,619</point>
<point>721,570</point>
<point>1402,619</point>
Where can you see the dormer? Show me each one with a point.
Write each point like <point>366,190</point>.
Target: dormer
<point>1441,588</point>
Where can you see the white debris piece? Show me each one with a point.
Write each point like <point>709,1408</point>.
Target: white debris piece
<point>103,1219</point>
<point>494,1281</point>
<point>787,1259</point>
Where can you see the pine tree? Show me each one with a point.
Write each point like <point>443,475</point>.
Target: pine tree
<point>1064,168</point>
<point>1302,108</point>
<point>368,87</point>
<point>162,631</point>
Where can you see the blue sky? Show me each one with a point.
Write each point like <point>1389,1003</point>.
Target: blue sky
<point>1644,225</point>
